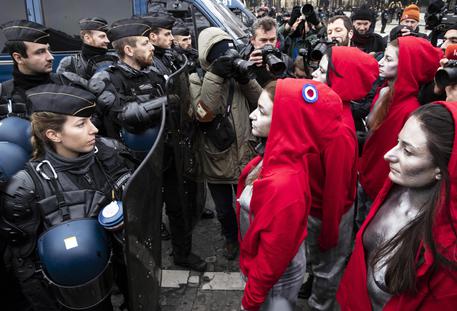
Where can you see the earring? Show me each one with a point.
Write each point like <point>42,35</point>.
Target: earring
<point>438,177</point>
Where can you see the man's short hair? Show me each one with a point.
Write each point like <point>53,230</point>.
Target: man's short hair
<point>16,47</point>
<point>82,33</point>
<point>266,23</point>
<point>346,21</point>
<point>119,45</point>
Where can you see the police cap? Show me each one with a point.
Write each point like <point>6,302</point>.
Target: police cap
<point>129,27</point>
<point>160,21</point>
<point>93,23</point>
<point>22,30</point>
<point>61,99</point>
<point>180,31</point>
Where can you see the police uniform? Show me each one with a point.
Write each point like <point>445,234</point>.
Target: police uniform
<point>13,91</point>
<point>47,205</point>
<point>91,59</point>
<point>131,100</point>
<point>190,53</point>
<point>126,95</point>
<point>166,61</point>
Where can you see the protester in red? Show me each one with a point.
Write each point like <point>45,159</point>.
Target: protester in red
<point>350,73</point>
<point>273,192</point>
<point>405,252</point>
<point>408,63</point>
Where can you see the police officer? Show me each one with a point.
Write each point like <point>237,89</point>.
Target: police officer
<point>131,89</point>
<point>28,44</point>
<point>72,176</point>
<point>93,51</point>
<point>182,44</point>
<point>165,59</point>
<point>131,96</point>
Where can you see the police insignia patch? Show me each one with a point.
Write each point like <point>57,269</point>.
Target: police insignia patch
<point>310,93</point>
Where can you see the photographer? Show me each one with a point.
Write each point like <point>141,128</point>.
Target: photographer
<point>222,100</point>
<point>262,45</point>
<point>300,30</point>
<point>431,91</point>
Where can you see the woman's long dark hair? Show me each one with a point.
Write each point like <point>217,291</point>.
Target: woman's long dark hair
<point>384,103</point>
<point>401,251</point>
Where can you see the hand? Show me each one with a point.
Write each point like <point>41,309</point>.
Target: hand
<point>296,13</point>
<point>222,67</point>
<point>256,57</point>
<point>405,32</point>
<point>295,25</point>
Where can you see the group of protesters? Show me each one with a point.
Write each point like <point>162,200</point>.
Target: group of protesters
<point>327,150</point>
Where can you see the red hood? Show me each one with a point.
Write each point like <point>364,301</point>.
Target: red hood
<point>418,62</point>
<point>355,74</point>
<point>299,127</point>
<point>281,200</point>
<point>352,293</point>
<point>417,65</point>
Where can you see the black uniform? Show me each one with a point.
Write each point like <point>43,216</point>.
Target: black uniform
<point>53,191</point>
<point>13,91</point>
<point>132,91</point>
<point>135,105</point>
<point>91,59</point>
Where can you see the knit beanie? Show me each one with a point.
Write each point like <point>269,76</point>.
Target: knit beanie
<point>362,13</point>
<point>411,12</point>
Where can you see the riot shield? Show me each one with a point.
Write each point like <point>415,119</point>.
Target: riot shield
<point>142,204</point>
<point>182,132</point>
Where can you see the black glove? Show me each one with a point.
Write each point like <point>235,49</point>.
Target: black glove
<point>241,78</point>
<point>222,67</point>
<point>296,13</point>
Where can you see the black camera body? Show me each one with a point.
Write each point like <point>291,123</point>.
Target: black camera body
<point>244,67</point>
<point>271,56</point>
<point>447,75</point>
<point>321,48</point>
<point>439,16</point>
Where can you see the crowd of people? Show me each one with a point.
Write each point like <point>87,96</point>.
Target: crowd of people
<point>326,148</point>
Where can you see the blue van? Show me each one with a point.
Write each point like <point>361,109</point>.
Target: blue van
<point>62,16</point>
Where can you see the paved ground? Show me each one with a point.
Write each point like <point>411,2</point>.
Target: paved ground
<point>219,289</point>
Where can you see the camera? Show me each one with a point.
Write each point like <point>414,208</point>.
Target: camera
<point>307,10</point>
<point>241,65</point>
<point>439,16</point>
<point>272,57</point>
<point>447,75</point>
<point>320,49</point>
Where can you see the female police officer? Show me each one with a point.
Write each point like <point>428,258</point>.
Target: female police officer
<point>57,249</point>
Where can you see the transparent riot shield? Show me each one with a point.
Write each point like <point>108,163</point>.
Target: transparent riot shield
<point>142,204</point>
<point>182,130</point>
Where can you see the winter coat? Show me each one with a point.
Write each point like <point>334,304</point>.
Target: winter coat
<point>417,64</point>
<point>223,166</point>
<point>436,290</point>
<point>281,198</point>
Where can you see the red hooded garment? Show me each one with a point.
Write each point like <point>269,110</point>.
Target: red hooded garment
<point>281,197</point>
<point>356,71</point>
<point>418,62</point>
<point>353,294</point>
<point>334,171</point>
